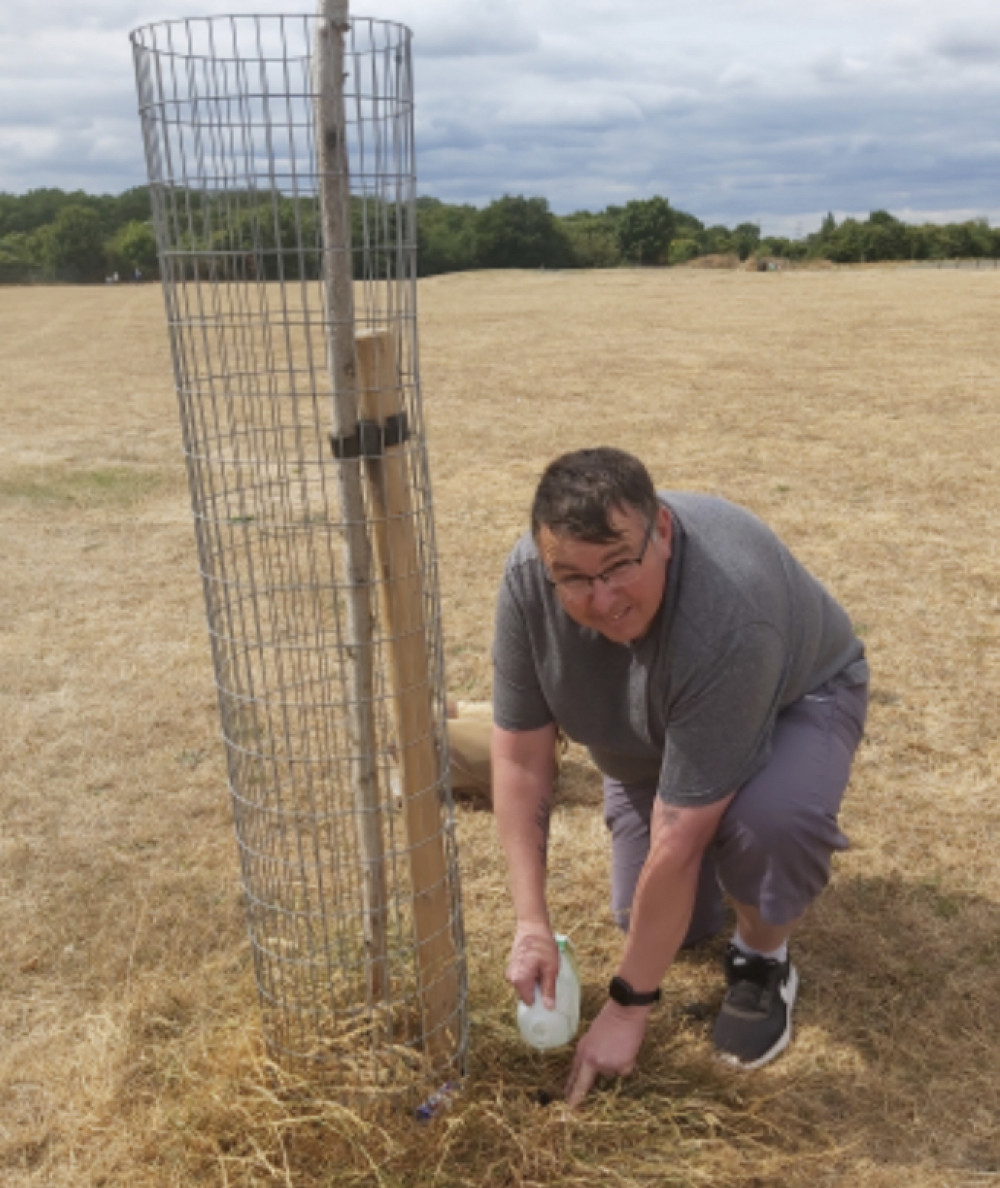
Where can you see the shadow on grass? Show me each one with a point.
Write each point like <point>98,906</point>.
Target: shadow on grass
<point>893,1078</point>
<point>898,1008</point>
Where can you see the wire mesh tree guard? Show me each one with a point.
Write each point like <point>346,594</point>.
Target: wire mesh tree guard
<point>280,157</point>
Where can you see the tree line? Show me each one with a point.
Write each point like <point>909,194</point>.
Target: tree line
<point>49,235</point>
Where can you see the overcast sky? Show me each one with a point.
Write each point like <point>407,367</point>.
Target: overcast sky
<point>770,111</point>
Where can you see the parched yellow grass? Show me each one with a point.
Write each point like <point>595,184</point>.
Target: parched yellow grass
<point>857,410</point>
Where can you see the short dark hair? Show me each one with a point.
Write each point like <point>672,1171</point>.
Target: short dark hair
<point>578,492</point>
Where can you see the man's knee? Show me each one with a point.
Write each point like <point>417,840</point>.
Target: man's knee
<point>778,862</point>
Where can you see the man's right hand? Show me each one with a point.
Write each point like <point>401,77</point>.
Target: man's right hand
<point>534,960</point>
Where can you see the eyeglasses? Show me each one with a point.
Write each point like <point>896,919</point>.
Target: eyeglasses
<point>578,586</point>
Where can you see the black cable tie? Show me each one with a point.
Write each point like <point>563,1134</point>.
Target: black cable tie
<point>396,430</point>
<point>370,439</point>
<point>346,446</point>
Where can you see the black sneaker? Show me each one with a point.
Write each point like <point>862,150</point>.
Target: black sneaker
<point>755,1023</point>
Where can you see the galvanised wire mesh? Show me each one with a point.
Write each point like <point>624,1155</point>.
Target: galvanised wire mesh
<point>314,523</point>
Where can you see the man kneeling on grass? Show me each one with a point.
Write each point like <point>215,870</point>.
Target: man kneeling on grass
<point>722,693</point>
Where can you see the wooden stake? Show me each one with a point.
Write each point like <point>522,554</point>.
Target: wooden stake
<point>338,288</point>
<point>420,760</point>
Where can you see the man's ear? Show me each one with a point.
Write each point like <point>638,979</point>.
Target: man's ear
<point>665,527</point>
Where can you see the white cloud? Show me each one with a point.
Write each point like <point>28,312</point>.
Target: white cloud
<point>967,47</point>
<point>27,142</point>
<point>594,109</point>
<point>767,110</point>
<point>838,67</point>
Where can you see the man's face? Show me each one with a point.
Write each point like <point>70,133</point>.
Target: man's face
<point>621,610</point>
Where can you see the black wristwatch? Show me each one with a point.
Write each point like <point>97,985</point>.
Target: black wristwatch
<point>622,993</point>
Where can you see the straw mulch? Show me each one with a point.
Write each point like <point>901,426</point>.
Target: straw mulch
<point>857,410</point>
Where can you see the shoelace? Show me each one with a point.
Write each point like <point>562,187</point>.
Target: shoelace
<point>753,982</point>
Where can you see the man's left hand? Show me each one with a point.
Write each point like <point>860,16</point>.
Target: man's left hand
<point>608,1049</point>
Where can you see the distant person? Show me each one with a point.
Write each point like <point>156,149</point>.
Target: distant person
<point>722,693</point>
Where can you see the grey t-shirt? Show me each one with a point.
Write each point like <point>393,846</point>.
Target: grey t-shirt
<point>743,631</point>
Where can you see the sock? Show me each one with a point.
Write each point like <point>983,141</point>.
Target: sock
<point>778,954</point>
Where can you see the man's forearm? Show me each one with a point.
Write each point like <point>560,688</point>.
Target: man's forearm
<point>665,894</point>
<point>522,805</point>
<point>659,919</point>
<point>522,817</point>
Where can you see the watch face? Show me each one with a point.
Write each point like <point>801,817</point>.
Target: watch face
<point>620,991</point>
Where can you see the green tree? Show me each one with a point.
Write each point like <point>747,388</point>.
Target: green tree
<point>783,247</point>
<point>717,240</point>
<point>971,240</point>
<point>818,243</point>
<point>645,229</point>
<point>132,206</point>
<point>683,250</point>
<point>36,209</point>
<point>132,247</point>
<point>686,226</point>
<point>593,239</point>
<point>518,232</point>
<point>884,238</point>
<point>19,258</point>
<point>264,238</point>
<point>920,241</point>
<point>293,232</point>
<point>74,247</point>
<point>51,234</point>
<point>446,237</point>
<point>849,243</point>
<point>746,239</point>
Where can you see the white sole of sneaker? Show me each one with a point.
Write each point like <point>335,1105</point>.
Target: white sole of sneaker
<point>788,993</point>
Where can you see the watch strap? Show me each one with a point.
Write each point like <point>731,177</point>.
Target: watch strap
<point>625,995</point>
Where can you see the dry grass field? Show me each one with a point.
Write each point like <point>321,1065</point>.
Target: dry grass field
<point>858,411</point>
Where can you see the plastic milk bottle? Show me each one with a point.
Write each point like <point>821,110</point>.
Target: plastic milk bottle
<point>545,1029</point>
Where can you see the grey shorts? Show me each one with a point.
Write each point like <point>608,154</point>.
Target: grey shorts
<point>775,841</point>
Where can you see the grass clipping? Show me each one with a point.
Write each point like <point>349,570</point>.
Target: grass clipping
<point>856,410</point>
